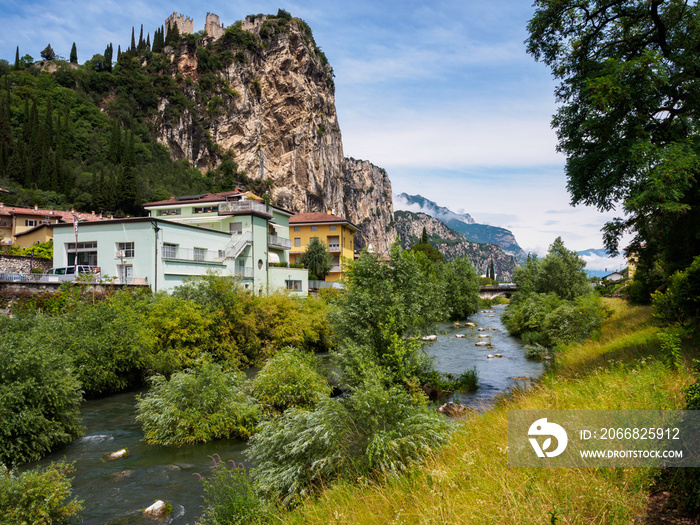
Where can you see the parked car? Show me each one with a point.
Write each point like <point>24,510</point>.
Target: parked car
<point>70,273</point>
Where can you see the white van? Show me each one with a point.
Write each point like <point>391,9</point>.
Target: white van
<point>70,273</point>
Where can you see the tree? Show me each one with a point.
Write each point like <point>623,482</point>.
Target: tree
<point>173,35</point>
<point>73,54</point>
<point>424,236</point>
<point>17,64</point>
<point>109,50</point>
<point>317,259</point>
<point>48,53</point>
<point>627,116</point>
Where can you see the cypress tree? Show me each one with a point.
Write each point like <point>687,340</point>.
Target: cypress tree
<point>16,67</point>
<point>108,57</point>
<point>115,145</point>
<point>73,54</point>
<point>7,141</point>
<point>173,36</point>
<point>132,49</point>
<point>158,41</point>
<point>119,52</point>
<point>148,42</point>
<point>424,236</point>
<point>142,43</point>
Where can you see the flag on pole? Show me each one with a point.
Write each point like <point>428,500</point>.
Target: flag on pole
<point>75,229</point>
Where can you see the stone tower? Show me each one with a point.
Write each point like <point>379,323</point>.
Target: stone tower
<point>213,27</point>
<point>184,24</point>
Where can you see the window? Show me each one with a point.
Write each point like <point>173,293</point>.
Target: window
<point>206,209</point>
<point>200,254</point>
<point>314,228</point>
<point>86,253</point>
<point>293,285</point>
<point>297,241</point>
<point>127,248</point>
<point>332,227</point>
<point>236,227</point>
<point>297,228</point>
<point>30,222</point>
<point>169,251</point>
<point>175,211</point>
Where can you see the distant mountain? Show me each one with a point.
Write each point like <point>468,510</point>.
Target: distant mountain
<point>462,223</point>
<point>594,252</point>
<point>418,203</point>
<point>453,244</point>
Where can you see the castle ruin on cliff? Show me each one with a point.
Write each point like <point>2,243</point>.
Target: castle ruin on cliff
<point>213,27</point>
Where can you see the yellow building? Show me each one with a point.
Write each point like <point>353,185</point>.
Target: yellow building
<point>24,226</point>
<point>335,232</point>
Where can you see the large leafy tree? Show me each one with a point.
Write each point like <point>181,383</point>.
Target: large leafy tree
<point>317,259</point>
<point>628,118</point>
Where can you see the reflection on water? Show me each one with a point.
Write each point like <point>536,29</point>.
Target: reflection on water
<point>115,491</point>
<point>496,375</point>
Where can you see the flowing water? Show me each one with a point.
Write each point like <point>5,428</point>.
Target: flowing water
<point>496,374</point>
<point>115,491</point>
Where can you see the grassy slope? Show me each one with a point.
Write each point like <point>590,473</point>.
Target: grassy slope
<point>469,481</point>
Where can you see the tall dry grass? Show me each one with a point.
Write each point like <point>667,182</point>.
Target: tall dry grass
<point>469,481</point>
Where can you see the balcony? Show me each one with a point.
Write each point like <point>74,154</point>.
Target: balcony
<point>275,241</point>
<point>335,268</point>
<point>333,247</point>
<point>243,272</point>
<point>198,255</point>
<point>244,208</point>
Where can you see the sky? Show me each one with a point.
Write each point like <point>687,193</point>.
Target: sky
<point>440,93</point>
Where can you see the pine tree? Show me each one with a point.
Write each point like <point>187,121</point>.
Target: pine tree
<point>73,54</point>
<point>48,53</point>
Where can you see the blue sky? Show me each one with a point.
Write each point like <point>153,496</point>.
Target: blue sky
<point>441,94</point>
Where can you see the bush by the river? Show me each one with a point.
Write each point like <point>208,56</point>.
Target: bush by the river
<point>374,431</point>
<point>554,304</point>
<point>290,380</point>
<point>197,405</point>
<point>230,497</point>
<point>249,329</point>
<point>39,393</point>
<point>40,496</point>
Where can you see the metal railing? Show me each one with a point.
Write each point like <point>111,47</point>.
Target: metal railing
<point>244,272</point>
<point>244,206</point>
<point>275,241</point>
<point>315,285</point>
<point>333,247</point>
<point>236,245</point>
<point>190,254</point>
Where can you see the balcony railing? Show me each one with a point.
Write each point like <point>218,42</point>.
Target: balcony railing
<point>335,268</point>
<point>243,272</point>
<point>244,207</point>
<point>275,241</point>
<point>191,255</point>
<point>333,247</point>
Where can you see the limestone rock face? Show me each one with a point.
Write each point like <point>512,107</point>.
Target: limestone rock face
<point>276,115</point>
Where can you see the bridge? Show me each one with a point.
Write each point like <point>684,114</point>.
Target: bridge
<point>503,290</point>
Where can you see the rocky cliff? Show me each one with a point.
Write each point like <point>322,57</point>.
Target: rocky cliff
<point>453,244</point>
<point>263,95</point>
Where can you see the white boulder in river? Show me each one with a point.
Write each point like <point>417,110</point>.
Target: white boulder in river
<point>158,509</point>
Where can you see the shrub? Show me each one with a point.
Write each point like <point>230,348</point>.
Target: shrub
<point>290,379</point>
<point>680,303</point>
<point>197,405</point>
<point>536,351</point>
<point>39,496</point>
<point>181,331</point>
<point>230,498</point>
<point>574,321</point>
<point>374,431</point>
<point>39,393</point>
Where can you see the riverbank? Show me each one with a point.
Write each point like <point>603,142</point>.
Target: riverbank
<point>469,480</point>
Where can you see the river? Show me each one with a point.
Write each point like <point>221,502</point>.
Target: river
<point>115,491</point>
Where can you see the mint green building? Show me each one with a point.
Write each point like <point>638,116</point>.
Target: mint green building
<point>231,233</point>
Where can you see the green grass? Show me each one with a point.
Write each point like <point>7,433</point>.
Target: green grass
<point>469,480</point>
